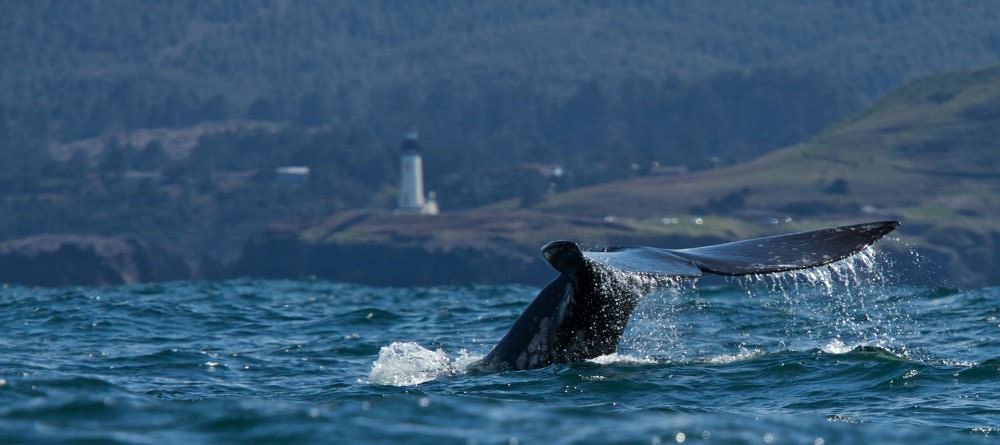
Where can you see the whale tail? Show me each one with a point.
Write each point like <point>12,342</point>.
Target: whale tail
<point>753,256</point>
<point>578,316</point>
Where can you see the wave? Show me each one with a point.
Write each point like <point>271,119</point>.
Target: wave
<point>409,364</point>
<point>743,355</point>
<point>616,358</point>
<point>985,371</point>
<point>367,315</point>
<point>87,383</point>
<point>877,351</point>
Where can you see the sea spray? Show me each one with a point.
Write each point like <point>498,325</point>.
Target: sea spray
<point>850,301</point>
<point>629,288</point>
<point>408,364</point>
<point>659,324</point>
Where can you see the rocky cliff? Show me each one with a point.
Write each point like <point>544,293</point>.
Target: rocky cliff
<point>62,260</point>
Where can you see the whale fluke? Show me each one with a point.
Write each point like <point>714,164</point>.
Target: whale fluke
<point>579,316</point>
<point>753,256</point>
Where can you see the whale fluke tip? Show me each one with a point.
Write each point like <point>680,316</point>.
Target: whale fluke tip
<point>564,256</point>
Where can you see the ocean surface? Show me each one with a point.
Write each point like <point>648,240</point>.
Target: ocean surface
<point>837,355</point>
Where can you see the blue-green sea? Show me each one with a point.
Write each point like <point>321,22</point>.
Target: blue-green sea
<point>808,359</point>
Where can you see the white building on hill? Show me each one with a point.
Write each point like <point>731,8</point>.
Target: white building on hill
<point>411,186</point>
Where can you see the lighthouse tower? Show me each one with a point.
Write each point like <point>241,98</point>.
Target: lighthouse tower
<point>411,186</point>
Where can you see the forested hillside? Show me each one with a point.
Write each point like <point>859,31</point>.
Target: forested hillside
<point>925,155</point>
<point>483,75</point>
<point>166,119</point>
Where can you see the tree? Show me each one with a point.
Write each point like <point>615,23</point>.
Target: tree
<point>114,160</point>
<point>313,111</point>
<point>262,109</point>
<point>151,157</point>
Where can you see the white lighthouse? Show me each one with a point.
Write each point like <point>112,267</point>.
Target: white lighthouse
<point>411,186</point>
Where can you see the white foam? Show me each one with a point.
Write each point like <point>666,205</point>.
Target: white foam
<point>742,355</point>
<point>836,346</point>
<point>408,364</point>
<point>614,358</point>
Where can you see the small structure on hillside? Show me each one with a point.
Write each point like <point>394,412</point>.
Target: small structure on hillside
<point>411,186</point>
<point>666,170</point>
<point>291,175</point>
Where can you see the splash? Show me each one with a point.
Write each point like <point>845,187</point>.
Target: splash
<point>658,334</point>
<point>849,300</point>
<point>852,301</point>
<point>836,346</point>
<point>616,358</point>
<point>408,364</point>
<point>615,281</point>
<point>658,326</point>
<point>865,268</point>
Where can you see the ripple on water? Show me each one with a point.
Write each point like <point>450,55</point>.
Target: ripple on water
<point>367,315</point>
<point>300,361</point>
<point>987,371</point>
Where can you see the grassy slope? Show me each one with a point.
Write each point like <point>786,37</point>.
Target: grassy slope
<point>925,152</point>
<point>928,155</point>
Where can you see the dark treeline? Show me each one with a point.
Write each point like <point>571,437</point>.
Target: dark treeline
<point>597,133</point>
<point>80,69</point>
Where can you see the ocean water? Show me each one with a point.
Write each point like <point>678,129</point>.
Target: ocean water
<point>837,355</point>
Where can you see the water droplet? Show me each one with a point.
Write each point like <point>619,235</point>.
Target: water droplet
<point>680,437</point>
